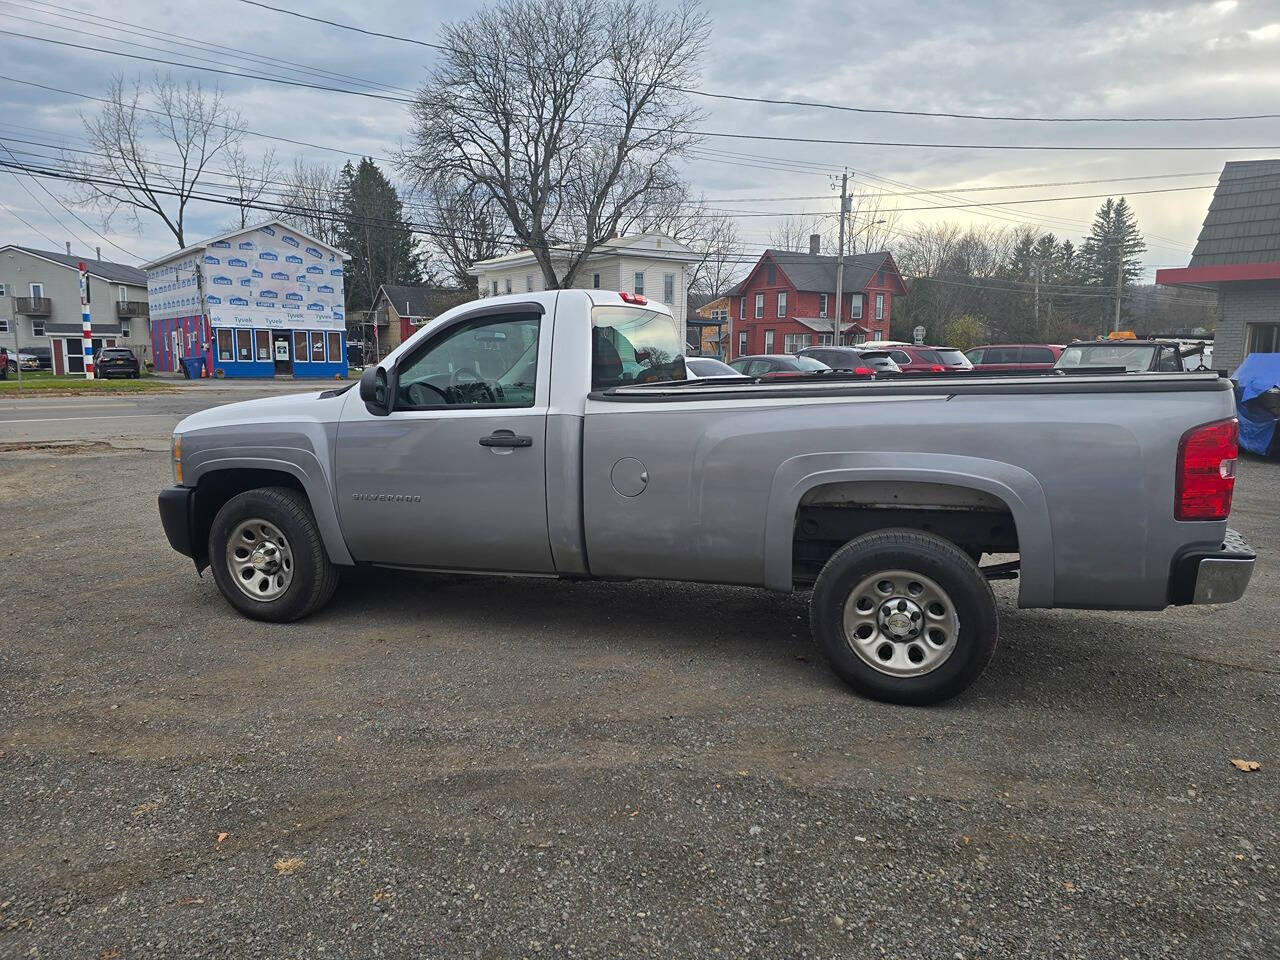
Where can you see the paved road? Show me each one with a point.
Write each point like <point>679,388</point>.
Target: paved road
<point>142,420</point>
<point>450,767</point>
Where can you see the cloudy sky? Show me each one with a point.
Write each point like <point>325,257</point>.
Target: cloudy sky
<point>1023,58</point>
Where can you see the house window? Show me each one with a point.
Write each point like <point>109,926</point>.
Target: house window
<point>123,293</point>
<point>37,328</point>
<point>771,274</point>
<point>742,343</point>
<point>855,307</point>
<point>879,306</point>
<point>124,328</point>
<point>595,281</point>
<point>335,347</point>
<point>244,345</point>
<point>4,325</point>
<point>495,292</point>
<point>822,304</point>
<point>4,290</point>
<point>37,290</point>
<point>782,303</point>
<point>300,344</point>
<point>795,342</point>
<point>759,306</point>
<point>637,283</point>
<point>768,341</point>
<point>262,341</point>
<point>317,347</point>
<point>224,344</point>
<point>508,285</point>
<point>826,339</point>
<point>742,308</point>
<point>1264,338</point>
<point>668,288</point>
<point>528,282</point>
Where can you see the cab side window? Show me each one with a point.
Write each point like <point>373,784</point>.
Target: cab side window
<point>491,361</point>
<point>1169,360</point>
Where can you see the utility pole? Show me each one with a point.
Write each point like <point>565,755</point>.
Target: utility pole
<point>844,207</point>
<point>1115,327</point>
<point>17,353</point>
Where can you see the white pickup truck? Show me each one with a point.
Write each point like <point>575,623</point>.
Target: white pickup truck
<point>556,435</point>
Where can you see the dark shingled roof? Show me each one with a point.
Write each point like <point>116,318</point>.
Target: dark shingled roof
<point>423,301</point>
<point>819,273</point>
<point>106,269</point>
<point>1243,222</point>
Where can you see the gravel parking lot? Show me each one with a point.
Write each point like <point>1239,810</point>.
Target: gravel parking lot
<point>452,767</point>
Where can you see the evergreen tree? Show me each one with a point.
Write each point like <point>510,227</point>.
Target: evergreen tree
<point>373,230</point>
<point>1111,257</point>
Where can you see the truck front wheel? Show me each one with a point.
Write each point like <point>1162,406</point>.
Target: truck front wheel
<point>267,556</point>
<point>904,617</point>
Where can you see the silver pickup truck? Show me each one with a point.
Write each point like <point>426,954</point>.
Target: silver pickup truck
<point>555,435</point>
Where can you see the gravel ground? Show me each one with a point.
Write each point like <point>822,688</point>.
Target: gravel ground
<point>445,767</point>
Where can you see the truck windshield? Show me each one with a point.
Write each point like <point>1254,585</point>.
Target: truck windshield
<point>1134,357</point>
<point>633,345</point>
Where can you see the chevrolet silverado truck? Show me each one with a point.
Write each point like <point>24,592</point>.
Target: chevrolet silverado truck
<point>556,435</point>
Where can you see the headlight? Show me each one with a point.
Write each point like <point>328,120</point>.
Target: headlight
<point>177,459</point>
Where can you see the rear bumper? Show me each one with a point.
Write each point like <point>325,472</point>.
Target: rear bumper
<point>177,508</point>
<point>1213,576</point>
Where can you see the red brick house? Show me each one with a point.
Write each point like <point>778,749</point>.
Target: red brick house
<point>787,301</point>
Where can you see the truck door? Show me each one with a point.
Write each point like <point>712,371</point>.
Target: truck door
<point>455,476</point>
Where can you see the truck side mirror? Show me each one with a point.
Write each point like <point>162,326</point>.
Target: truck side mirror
<point>374,392</point>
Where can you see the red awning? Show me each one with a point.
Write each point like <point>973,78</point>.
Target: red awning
<point>1222,273</point>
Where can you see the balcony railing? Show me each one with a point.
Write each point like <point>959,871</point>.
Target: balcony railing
<point>35,306</point>
<point>132,308</point>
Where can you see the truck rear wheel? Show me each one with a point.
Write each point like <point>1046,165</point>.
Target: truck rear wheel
<point>267,556</point>
<point>904,617</point>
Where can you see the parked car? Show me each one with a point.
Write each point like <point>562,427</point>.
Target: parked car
<point>1135,356</point>
<point>1014,357</point>
<point>705,368</point>
<point>852,358</point>
<point>777,365</point>
<point>116,362</point>
<point>468,449</point>
<point>918,360</point>
<point>23,358</point>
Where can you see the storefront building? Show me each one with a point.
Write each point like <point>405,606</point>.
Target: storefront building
<point>264,301</point>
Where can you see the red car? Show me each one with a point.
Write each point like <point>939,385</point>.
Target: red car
<point>924,359</point>
<point>1015,357</point>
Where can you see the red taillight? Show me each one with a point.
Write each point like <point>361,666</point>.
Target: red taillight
<point>863,372</point>
<point>936,368</point>
<point>1207,471</point>
<point>639,299</point>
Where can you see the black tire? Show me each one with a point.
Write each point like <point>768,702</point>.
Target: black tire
<point>314,577</point>
<point>941,561</point>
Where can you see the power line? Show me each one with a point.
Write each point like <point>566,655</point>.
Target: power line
<point>809,104</point>
<point>29,224</point>
<point>716,134</point>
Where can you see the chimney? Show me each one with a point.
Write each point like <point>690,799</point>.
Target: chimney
<point>68,248</point>
<point>815,244</point>
<point>97,253</point>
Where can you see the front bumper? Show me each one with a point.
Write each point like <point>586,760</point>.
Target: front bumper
<point>1213,576</point>
<point>177,510</point>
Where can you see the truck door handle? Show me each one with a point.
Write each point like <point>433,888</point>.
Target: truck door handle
<point>505,438</point>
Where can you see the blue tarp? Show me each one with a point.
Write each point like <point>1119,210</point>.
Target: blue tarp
<point>1258,374</point>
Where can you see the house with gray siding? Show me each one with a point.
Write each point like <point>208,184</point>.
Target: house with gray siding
<point>40,304</point>
<point>1238,255</point>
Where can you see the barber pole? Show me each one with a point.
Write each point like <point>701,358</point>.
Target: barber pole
<point>85,322</point>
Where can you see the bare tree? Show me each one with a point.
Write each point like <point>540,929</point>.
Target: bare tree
<point>792,234</point>
<point>871,225</point>
<point>249,179</point>
<point>118,175</point>
<point>466,218</point>
<point>311,198</point>
<point>569,124</point>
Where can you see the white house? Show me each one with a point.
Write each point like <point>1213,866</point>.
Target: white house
<point>255,302</point>
<point>649,264</point>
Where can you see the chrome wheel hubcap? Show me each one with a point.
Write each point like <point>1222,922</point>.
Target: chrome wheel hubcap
<point>259,559</point>
<point>901,623</point>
